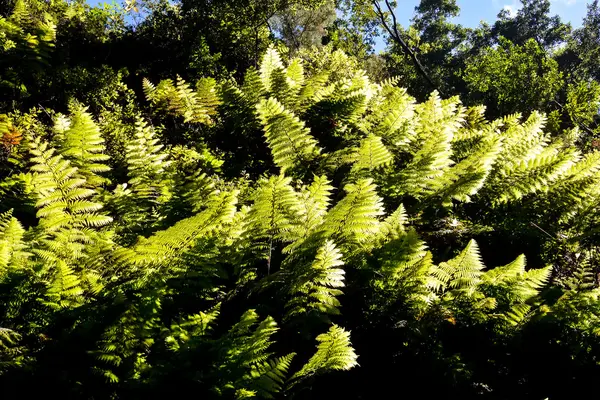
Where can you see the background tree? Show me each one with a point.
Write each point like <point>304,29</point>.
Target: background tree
<point>303,28</point>
<point>513,78</point>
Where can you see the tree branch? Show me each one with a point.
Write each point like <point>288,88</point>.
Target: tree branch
<point>395,35</point>
<point>575,120</point>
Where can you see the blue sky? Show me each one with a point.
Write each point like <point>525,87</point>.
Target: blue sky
<point>472,12</point>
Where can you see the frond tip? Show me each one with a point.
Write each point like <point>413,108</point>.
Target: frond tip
<point>334,353</point>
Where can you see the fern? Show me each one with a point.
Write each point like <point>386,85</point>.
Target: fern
<point>138,203</point>
<point>334,353</point>
<point>372,154</point>
<point>62,194</point>
<point>157,256</point>
<point>12,352</point>
<point>275,209</point>
<point>393,117</point>
<point>355,217</point>
<point>193,326</point>
<point>13,249</point>
<point>146,162</point>
<point>270,63</point>
<point>127,341</point>
<point>198,106</point>
<point>437,125</point>
<point>462,274</point>
<point>65,288</point>
<point>253,88</point>
<point>268,378</point>
<point>290,142</point>
<point>520,285</point>
<point>83,145</point>
<point>318,287</point>
<point>247,344</point>
<point>465,178</point>
<point>312,205</point>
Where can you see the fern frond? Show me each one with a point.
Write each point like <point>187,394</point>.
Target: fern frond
<point>193,326</point>
<point>462,274</point>
<point>519,285</point>
<point>318,287</point>
<point>517,314</point>
<point>62,197</point>
<point>289,140</point>
<point>276,209</point>
<point>355,217</point>
<point>393,118</point>
<point>438,122</point>
<point>268,378</point>
<point>313,202</point>
<point>12,247</point>
<point>271,62</point>
<point>531,176</point>
<point>394,225</point>
<point>464,179</point>
<point>64,289</point>
<point>149,186</point>
<point>160,252</point>
<point>334,353</point>
<point>372,154</point>
<point>253,88</point>
<point>83,145</point>
<point>197,106</point>
<point>314,90</point>
<point>577,188</point>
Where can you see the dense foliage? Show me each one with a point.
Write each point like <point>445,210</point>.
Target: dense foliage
<point>253,213</point>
